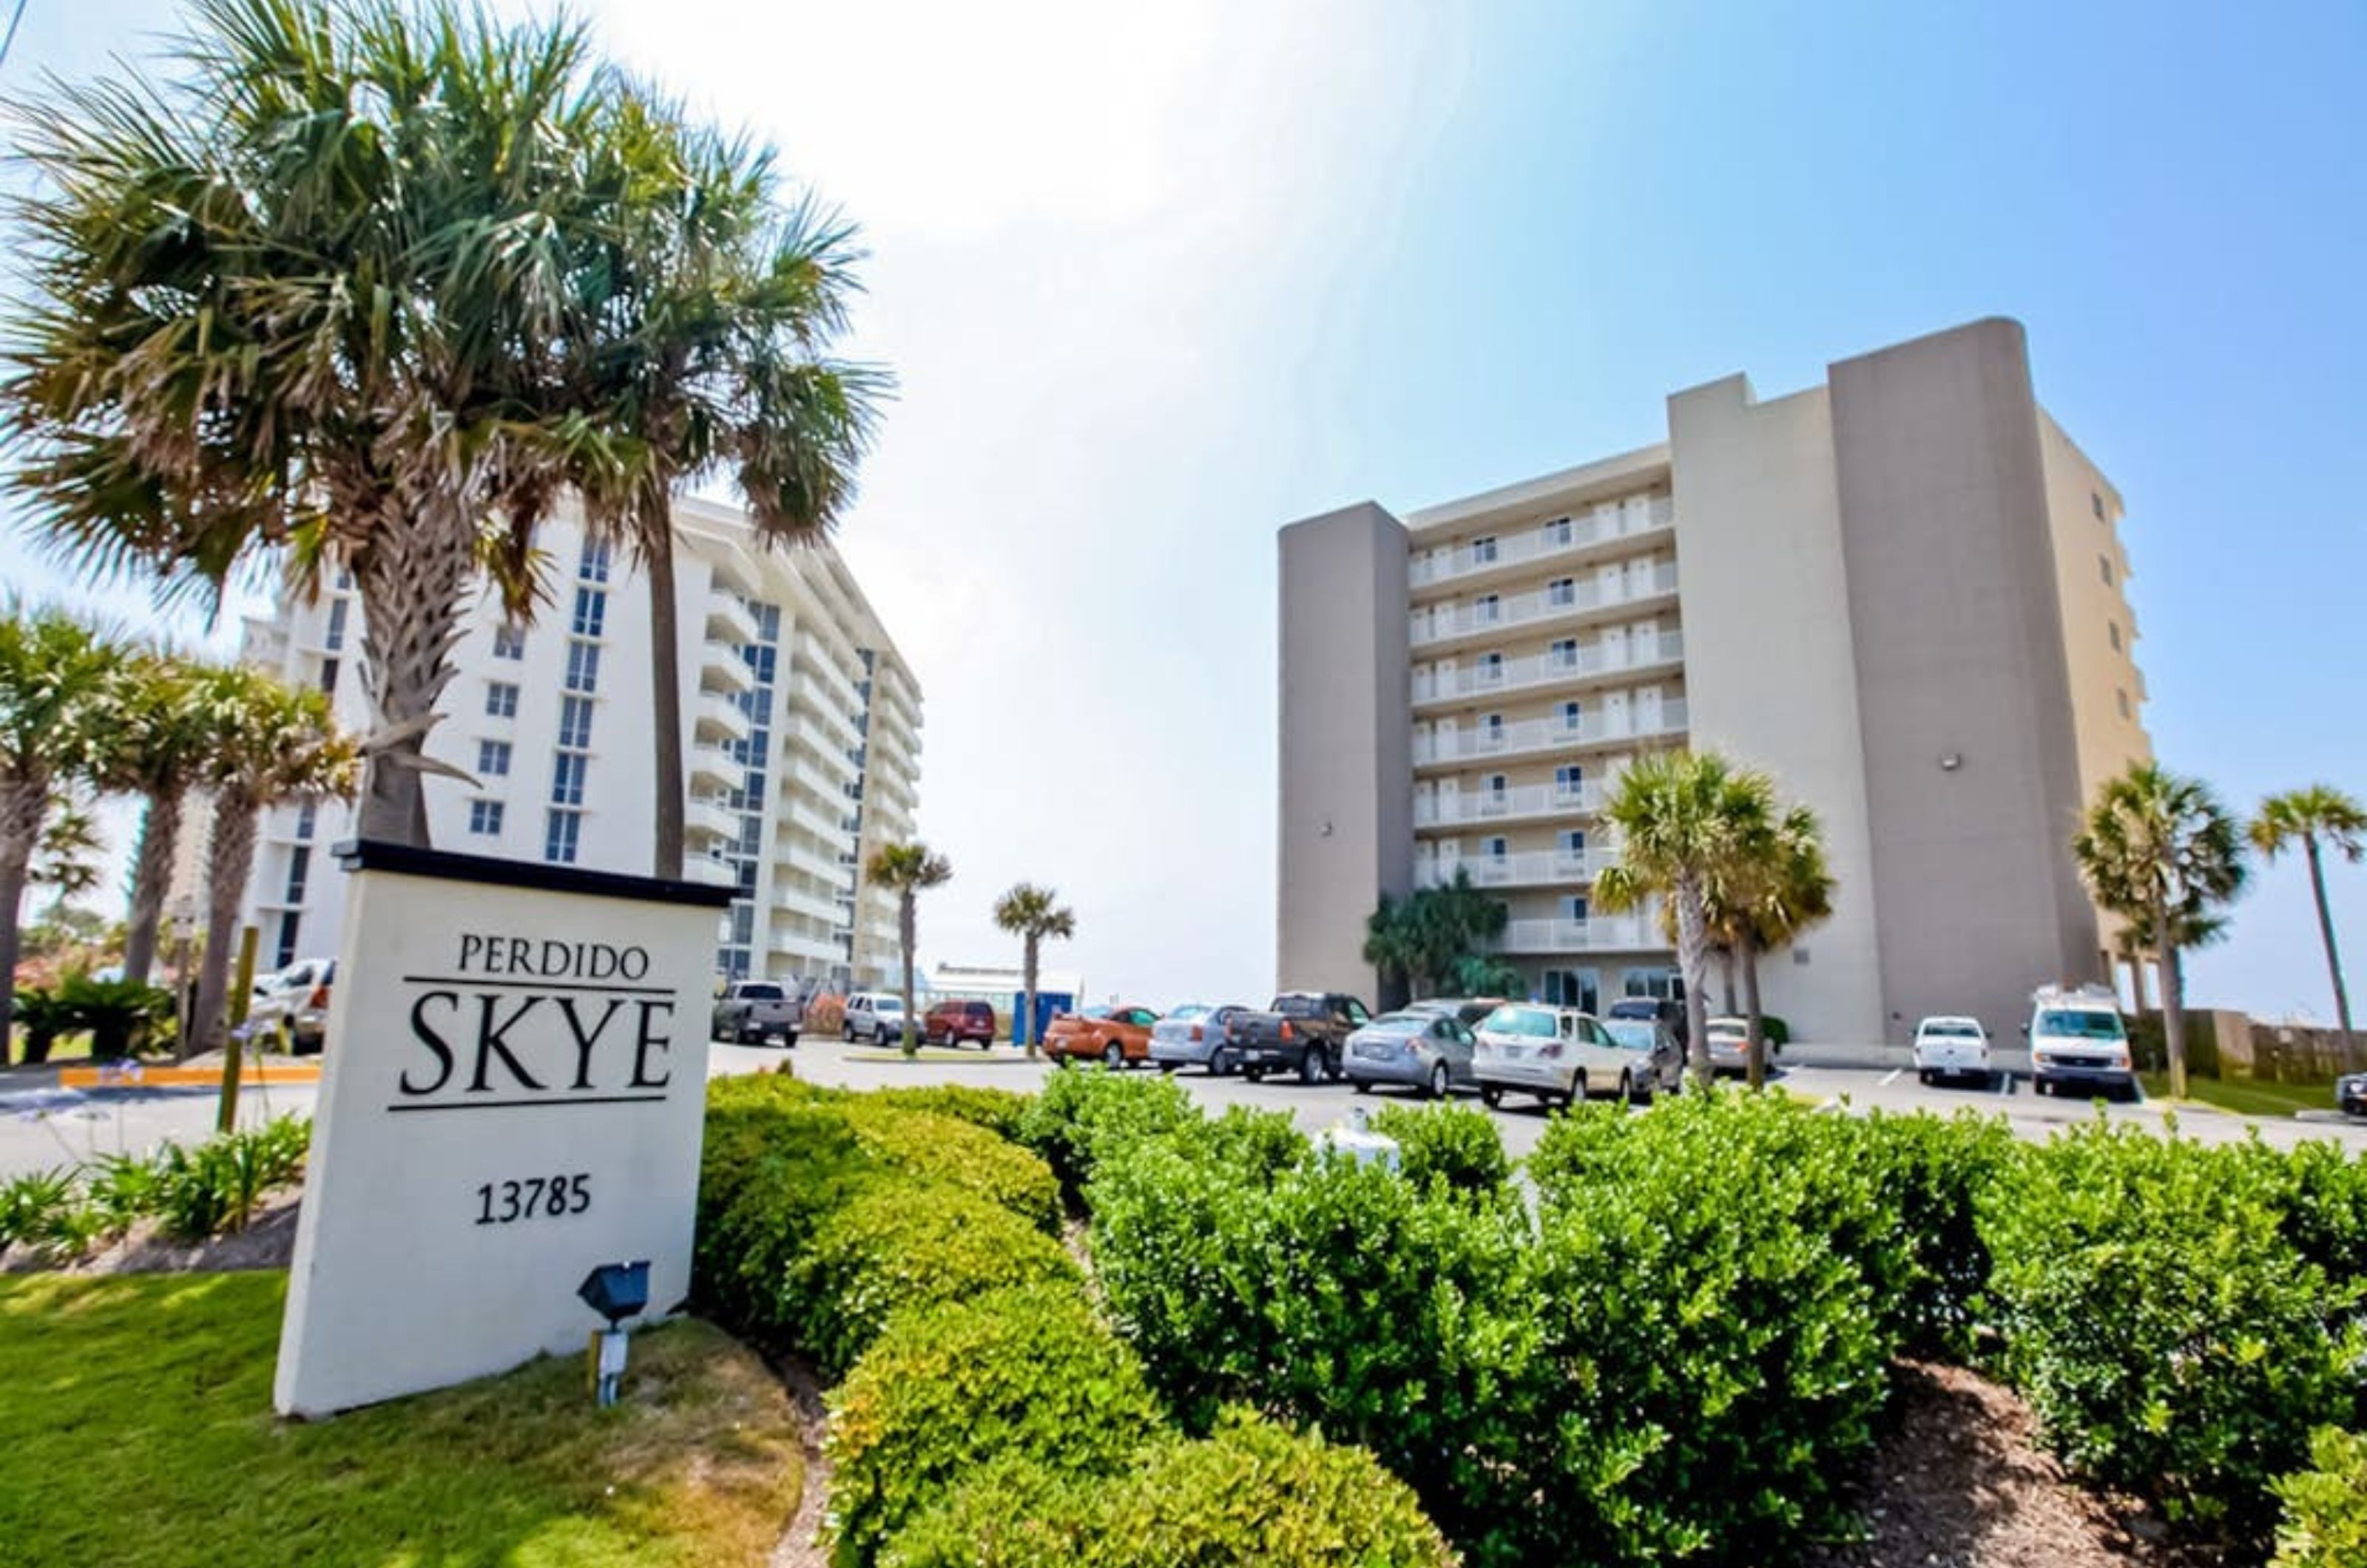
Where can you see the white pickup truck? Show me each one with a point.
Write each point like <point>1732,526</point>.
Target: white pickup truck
<point>2077,1038</point>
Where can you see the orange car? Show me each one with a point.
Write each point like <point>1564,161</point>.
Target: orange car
<point>1118,1035</point>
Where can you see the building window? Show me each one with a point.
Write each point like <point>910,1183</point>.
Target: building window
<point>299,872</point>
<point>1573,907</point>
<point>593,567</point>
<point>501,699</point>
<point>560,834</point>
<point>1496,848</point>
<point>567,771</point>
<point>1493,726</point>
<point>583,666</point>
<point>485,817</point>
<point>1562,592</point>
<point>1573,716</point>
<point>308,816</point>
<point>333,637</point>
<point>2123,695</point>
<point>288,925</point>
<point>591,612</point>
<point>1564,653</point>
<point>2096,500</point>
<point>1568,779</point>
<point>509,642</point>
<point>2113,627</point>
<point>1492,669</point>
<point>345,578</point>
<point>1496,784</point>
<point>1483,549</point>
<point>494,758</point>
<point>328,677</point>
<point>2104,565</point>
<point>1487,610</point>
<point>574,722</point>
<point>1556,533</point>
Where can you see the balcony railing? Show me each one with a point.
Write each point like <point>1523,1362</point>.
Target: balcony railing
<point>1534,868</point>
<point>1596,933</point>
<point>713,765</point>
<point>1443,621</point>
<point>720,668</point>
<point>728,620</point>
<point>1487,679</point>
<point>1488,743</point>
<point>1447,810</point>
<point>1563,535</point>
<point>718,713</point>
<point>705,813</point>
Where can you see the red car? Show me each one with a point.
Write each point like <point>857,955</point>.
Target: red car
<point>1119,1036</point>
<point>950,1023</point>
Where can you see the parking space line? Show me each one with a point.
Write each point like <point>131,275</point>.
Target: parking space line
<point>1894,1074</point>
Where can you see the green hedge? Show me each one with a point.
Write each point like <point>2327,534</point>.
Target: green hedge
<point>1929,1177</point>
<point>999,1111</point>
<point>1253,1494</point>
<point>960,1154</point>
<point>1457,1144</point>
<point>1029,1376</point>
<point>1082,1113</point>
<point>2325,1521</point>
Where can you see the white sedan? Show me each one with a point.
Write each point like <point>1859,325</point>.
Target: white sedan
<point>1952,1048</point>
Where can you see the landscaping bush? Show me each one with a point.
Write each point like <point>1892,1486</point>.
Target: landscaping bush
<point>2171,1338</point>
<point>1252,1494</point>
<point>1929,1175</point>
<point>1457,1144</point>
<point>1082,1112</point>
<point>926,1144</point>
<point>2322,1191</point>
<point>2325,1505</point>
<point>1030,1377</point>
<point>999,1111</point>
<point>40,1210</point>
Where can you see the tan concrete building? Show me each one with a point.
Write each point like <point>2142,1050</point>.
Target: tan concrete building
<point>1899,591</point>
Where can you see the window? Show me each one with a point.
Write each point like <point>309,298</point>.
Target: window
<point>308,816</point>
<point>583,666</point>
<point>1573,907</point>
<point>2104,565</point>
<point>1562,592</point>
<point>560,834</point>
<point>343,580</point>
<point>1483,549</point>
<point>509,642</point>
<point>501,699</point>
<point>1573,841</point>
<point>2123,695</point>
<point>1569,779</point>
<point>494,758</point>
<point>593,567</point>
<point>1556,533</point>
<point>1496,784</point>
<point>574,722</point>
<point>1564,654</point>
<point>328,677</point>
<point>567,771</point>
<point>300,871</point>
<point>1573,716</point>
<point>333,637</point>
<point>2096,500</point>
<point>1492,668</point>
<point>1493,726</point>
<point>485,817</point>
<point>1487,610</point>
<point>288,924</point>
<point>2114,628</point>
<point>591,612</point>
<point>1496,848</point>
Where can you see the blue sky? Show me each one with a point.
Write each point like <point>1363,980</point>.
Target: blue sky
<point>1158,279</point>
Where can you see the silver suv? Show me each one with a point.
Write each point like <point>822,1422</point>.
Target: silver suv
<point>876,1016</point>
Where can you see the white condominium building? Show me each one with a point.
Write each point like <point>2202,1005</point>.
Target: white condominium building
<point>1899,591</point>
<point>802,739</point>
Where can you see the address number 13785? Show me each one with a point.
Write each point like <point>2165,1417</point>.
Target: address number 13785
<point>533,1198</point>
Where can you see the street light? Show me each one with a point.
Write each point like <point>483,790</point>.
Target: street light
<point>615,1290</point>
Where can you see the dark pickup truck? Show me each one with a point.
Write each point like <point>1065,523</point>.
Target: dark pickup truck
<point>1303,1032</point>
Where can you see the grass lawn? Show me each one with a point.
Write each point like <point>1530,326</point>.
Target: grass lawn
<point>138,1410</point>
<point>2245,1096</point>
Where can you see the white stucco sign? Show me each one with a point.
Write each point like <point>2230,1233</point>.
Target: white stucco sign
<point>512,1095</point>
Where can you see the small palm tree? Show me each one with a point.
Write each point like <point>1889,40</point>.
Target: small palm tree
<point>52,669</point>
<point>1789,889</point>
<point>1033,913</point>
<point>1683,816</point>
<point>272,745</point>
<point>908,868</point>
<point>154,743</point>
<point>2318,817</point>
<point>2159,849</point>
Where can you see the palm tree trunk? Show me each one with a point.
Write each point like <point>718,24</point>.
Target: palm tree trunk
<point>2173,1000</point>
<point>665,703</point>
<point>413,580</point>
<point>230,859</point>
<point>152,876</point>
<point>22,803</point>
<point>1725,966</point>
<point>1692,963</point>
<point>1027,964</point>
<point>905,922</point>
<point>1757,1035</point>
<point>2325,933</point>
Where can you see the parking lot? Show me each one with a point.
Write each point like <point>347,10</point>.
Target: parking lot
<point>41,1128</point>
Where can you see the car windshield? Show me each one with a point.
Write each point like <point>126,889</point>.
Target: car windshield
<point>1635,1034</point>
<point>1531,1023</point>
<point>1954,1030</point>
<point>888,1004</point>
<point>1187,1012</point>
<point>2081,1025</point>
<point>1299,1007</point>
<point>1399,1023</point>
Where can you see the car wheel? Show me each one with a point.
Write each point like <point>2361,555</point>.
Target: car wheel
<point>1491,1095</point>
<point>847,1032</point>
<point>1439,1079</point>
<point>1577,1090</point>
<point>1113,1056</point>
<point>1221,1062</point>
<point>1255,1075</point>
<point>1626,1089</point>
<point>1362,1086</point>
<point>1310,1066</point>
<point>1167,1070</point>
<point>790,1041</point>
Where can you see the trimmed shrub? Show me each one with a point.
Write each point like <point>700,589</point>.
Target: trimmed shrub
<point>768,1175</point>
<point>2323,1192</point>
<point>1082,1112</point>
<point>1028,1376</point>
<point>1253,1493</point>
<point>999,1111</point>
<point>1457,1144</point>
<point>924,1144</point>
<point>2169,1336</point>
<point>898,1245</point>
<point>1929,1175</point>
<point>2325,1505</point>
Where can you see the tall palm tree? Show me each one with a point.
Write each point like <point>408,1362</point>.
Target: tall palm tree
<point>908,868</point>
<point>714,305</point>
<point>310,288</point>
<point>2317,817</point>
<point>154,743</point>
<point>2159,848</point>
<point>52,669</point>
<point>1682,818</point>
<point>272,744</point>
<point>1032,914</point>
<point>1788,888</point>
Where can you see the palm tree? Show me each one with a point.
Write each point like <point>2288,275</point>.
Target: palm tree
<point>310,291</point>
<point>154,743</point>
<point>1682,816</point>
<point>714,302</point>
<point>71,849</point>
<point>2316,818</point>
<point>2161,849</point>
<point>1031,913</point>
<point>52,669</point>
<point>272,745</point>
<point>908,868</point>
<point>1392,946</point>
<point>1789,889</point>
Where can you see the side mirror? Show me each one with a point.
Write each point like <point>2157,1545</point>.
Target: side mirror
<point>2025,1032</point>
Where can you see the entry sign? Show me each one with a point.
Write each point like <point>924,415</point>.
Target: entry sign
<point>512,1095</point>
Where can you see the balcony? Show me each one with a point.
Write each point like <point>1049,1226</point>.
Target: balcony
<point>1491,742</point>
<point>815,659</point>
<point>711,869</point>
<point>1537,868</point>
<point>1597,933</point>
<point>1563,537</point>
<point>797,900</point>
<point>819,743</point>
<point>1444,623</point>
<point>709,814</point>
<point>819,864</point>
<point>1584,661</point>
<point>720,668</point>
<point>716,769</point>
<point>717,716</point>
<point>728,620</point>
<point>827,716</point>
<point>1508,804</point>
<point>798,944</point>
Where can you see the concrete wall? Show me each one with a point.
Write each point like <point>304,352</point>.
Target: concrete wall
<point>1769,669</point>
<point>1972,763</point>
<point>1346,830</point>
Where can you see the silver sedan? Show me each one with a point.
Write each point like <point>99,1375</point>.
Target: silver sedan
<point>1193,1036</point>
<point>1429,1052</point>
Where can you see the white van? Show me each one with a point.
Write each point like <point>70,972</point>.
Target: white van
<point>874,1015</point>
<point>2077,1038</point>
